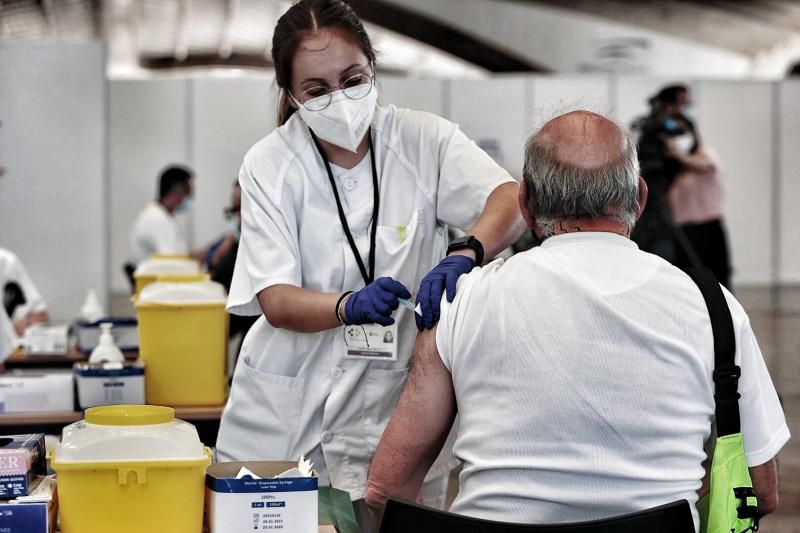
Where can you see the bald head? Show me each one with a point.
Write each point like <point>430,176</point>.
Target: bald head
<point>581,165</point>
<point>582,139</point>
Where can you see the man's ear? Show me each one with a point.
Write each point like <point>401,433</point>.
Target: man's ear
<point>642,197</point>
<point>524,204</point>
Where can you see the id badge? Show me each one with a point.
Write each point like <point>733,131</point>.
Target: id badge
<point>371,341</point>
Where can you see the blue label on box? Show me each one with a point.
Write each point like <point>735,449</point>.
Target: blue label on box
<point>126,371</point>
<point>23,518</point>
<point>13,487</point>
<point>244,485</point>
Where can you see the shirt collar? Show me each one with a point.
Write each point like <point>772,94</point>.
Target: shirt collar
<point>588,237</point>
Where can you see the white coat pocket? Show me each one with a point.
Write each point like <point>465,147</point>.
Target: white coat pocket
<point>399,247</point>
<point>381,393</point>
<point>262,416</point>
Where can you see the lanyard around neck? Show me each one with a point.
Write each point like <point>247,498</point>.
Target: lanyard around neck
<point>369,276</point>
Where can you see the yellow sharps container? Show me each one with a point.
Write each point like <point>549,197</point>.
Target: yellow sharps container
<point>150,269</point>
<point>183,341</point>
<point>131,469</point>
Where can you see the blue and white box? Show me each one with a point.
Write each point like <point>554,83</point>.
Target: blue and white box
<point>22,459</point>
<point>285,504</point>
<point>125,332</point>
<point>109,384</point>
<point>35,513</point>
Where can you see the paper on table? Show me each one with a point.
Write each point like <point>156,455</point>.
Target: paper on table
<point>244,472</point>
<point>304,468</point>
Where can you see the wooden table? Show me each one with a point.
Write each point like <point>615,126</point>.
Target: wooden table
<point>20,360</point>
<point>205,419</point>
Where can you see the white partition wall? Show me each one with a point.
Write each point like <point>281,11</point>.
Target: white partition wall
<point>228,116</point>
<point>630,95</point>
<point>492,113</point>
<point>735,120</point>
<point>149,129</point>
<point>788,117</point>
<point>551,96</point>
<point>53,143</point>
<point>422,94</point>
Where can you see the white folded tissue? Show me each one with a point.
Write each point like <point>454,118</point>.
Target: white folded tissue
<point>304,468</point>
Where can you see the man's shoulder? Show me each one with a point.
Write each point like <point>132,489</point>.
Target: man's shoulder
<point>150,214</point>
<point>8,260</point>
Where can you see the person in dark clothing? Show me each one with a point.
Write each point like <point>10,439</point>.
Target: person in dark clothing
<point>654,232</point>
<point>222,259</point>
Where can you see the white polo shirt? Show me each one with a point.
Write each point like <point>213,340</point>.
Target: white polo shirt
<point>156,231</point>
<point>583,376</point>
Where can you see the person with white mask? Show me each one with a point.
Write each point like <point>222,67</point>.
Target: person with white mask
<point>345,210</point>
<point>155,230</point>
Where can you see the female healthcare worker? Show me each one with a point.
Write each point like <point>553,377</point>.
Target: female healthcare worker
<point>345,196</point>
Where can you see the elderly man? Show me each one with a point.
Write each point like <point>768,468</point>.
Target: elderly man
<point>581,369</point>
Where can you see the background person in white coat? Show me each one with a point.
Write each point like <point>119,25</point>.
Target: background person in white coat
<point>155,230</point>
<point>22,301</point>
<point>346,196</point>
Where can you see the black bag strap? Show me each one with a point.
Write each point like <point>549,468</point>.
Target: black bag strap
<point>726,372</point>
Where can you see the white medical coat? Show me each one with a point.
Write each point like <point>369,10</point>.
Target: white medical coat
<point>293,392</point>
<point>156,231</point>
<point>12,270</point>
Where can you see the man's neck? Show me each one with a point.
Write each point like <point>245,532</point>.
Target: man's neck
<point>166,206</point>
<point>603,225</point>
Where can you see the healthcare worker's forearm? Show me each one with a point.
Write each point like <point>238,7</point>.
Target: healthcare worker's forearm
<point>297,309</point>
<point>500,224</point>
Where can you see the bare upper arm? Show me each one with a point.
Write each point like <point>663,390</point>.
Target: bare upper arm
<point>418,428</point>
<point>765,484</point>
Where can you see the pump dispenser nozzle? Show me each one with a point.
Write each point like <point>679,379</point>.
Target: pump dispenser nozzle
<point>106,350</point>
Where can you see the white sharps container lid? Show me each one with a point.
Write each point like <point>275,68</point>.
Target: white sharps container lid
<point>128,433</point>
<point>198,292</point>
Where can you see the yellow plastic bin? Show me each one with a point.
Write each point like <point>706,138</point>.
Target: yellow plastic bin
<point>150,269</point>
<point>183,341</point>
<point>131,469</point>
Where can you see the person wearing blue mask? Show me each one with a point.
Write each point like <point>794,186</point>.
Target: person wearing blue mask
<point>156,231</point>
<point>666,123</point>
<point>345,211</point>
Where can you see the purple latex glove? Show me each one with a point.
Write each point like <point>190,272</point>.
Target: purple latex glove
<point>444,275</point>
<point>374,303</point>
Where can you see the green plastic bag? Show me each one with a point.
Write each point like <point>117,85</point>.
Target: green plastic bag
<point>336,508</point>
<point>730,505</point>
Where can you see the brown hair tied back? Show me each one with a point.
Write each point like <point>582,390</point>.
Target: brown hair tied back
<point>302,19</point>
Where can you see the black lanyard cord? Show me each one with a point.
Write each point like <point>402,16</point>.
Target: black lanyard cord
<point>369,276</point>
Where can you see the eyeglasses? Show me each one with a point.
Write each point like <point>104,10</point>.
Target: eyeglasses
<point>231,212</point>
<point>319,97</point>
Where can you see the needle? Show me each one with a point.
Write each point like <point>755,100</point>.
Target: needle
<point>409,305</point>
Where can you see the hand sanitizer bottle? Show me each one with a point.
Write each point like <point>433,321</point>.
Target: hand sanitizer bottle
<point>106,351</point>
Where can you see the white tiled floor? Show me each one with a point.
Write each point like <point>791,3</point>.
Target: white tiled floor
<point>775,316</point>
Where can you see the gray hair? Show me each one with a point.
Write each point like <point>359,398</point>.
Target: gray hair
<point>561,192</point>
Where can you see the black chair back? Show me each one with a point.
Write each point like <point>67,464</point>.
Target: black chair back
<point>129,269</point>
<point>405,517</point>
<point>13,297</point>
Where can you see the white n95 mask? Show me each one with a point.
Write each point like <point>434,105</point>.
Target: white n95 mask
<point>683,143</point>
<point>344,122</point>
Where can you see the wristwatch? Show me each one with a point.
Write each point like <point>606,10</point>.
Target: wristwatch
<point>470,242</point>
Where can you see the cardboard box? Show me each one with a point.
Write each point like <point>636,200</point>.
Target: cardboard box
<point>286,504</point>
<point>37,391</point>
<point>47,340</point>
<point>35,513</point>
<point>125,333</point>
<point>22,459</point>
<point>100,385</point>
